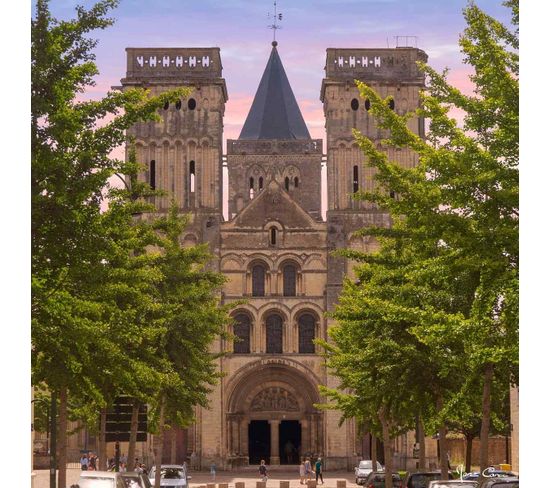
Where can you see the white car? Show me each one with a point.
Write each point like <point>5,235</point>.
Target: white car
<point>452,484</point>
<point>364,469</point>
<point>100,479</point>
<point>171,476</point>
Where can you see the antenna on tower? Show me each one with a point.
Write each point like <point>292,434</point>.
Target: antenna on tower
<point>275,16</point>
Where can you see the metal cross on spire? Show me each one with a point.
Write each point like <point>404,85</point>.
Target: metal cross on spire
<point>274,26</point>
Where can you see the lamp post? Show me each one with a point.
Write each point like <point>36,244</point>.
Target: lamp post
<point>53,439</point>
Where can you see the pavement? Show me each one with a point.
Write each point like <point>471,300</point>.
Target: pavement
<point>201,478</point>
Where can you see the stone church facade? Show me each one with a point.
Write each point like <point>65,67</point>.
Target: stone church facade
<point>275,248</point>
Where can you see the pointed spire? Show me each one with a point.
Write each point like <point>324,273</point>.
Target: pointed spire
<point>274,113</point>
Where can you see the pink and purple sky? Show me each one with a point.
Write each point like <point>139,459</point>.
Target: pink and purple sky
<point>309,27</point>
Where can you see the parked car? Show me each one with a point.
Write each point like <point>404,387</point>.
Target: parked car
<point>100,479</point>
<point>378,480</point>
<point>422,479</point>
<point>171,476</point>
<point>364,469</point>
<point>135,480</point>
<point>453,484</point>
<point>499,482</point>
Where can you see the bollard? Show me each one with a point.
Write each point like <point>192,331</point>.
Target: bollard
<point>284,484</point>
<point>223,485</point>
<point>260,484</point>
<point>311,484</point>
<point>239,484</point>
<point>340,483</point>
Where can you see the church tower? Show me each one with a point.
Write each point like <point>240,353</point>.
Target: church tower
<point>393,73</point>
<point>183,151</point>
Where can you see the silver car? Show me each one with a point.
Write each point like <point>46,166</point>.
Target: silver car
<point>171,476</point>
<point>100,479</point>
<point>453,484</point>
<point>364,469</point>
<point>135,480</point>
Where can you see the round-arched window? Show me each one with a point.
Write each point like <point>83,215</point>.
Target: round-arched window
<point>191,104</point>
<point>391,104</point>
<point>289,280</point>
<point>354,104</point>
<point>367,104</point>
<point>258,280</point>
<point>166,105</point>
<point>274,334</point>
<point>178,104</point>
<point>241,330</point>
<point>306,333</point>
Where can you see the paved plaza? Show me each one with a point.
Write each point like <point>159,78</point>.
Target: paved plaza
<point>200,478</point>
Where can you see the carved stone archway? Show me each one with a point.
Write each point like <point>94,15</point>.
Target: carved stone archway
<point>273,391</point>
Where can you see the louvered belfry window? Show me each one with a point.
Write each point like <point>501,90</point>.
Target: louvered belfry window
<point>289,280</point>
<point>241,329</point>
<point>258,281</point>
<point>274,334</point>
<point>306,332</point>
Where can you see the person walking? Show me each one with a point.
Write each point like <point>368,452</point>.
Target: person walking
<point>302,472</point>
<point>263,470</point>
<point>307,465</point>
<point>84,462</point>
<point>319,471</point>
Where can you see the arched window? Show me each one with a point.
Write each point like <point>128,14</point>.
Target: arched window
<point>192,176</point>
<point>191,104</point>
<point>273,236</point>
<point>274,334</point>
<point>241,329</point>
<point>355,179</point>
<point>296,181</point>
<point>152,174</point>
<point>287,183</point>
<point>251,183</point>
<point>289,280</point>
<point>251,188</point>
<point>354,104</point>
<point>306,333</point>
<point>178,104</point>
<point>367,104</point>
<point>258,281</point>
<point>261,183</point>
<point>166,105</point>
<point>391,104</point>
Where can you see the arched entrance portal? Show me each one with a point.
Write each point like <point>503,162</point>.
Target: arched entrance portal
<point>271,415</point>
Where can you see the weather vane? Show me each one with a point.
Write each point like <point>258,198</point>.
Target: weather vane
<point>275,16</point>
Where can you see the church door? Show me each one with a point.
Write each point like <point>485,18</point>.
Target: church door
<point>259,441</point>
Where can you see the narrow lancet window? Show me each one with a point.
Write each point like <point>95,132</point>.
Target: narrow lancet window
<point>273,236</point>
<point>152,174</point>
<point>192,176</point>
<point>355,179</point>
<point>261,183</point>
<point>287,183</point>
<point>296,181</point>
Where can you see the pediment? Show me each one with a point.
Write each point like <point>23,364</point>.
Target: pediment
<point>274,204</point>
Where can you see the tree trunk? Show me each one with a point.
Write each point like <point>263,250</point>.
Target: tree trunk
<point>421,446</point>
<point>173,446</point>
<point>102,443</point>
<point>374,452</point>
<point>443,450</point>
<point>133,436</point>
<point>159,443</point>
<point>62,440</point>
<point>469,443</point>
<point>486,418</point>
<point>388,459</point>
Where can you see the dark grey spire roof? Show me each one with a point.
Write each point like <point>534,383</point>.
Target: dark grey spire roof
<point>274,113</point>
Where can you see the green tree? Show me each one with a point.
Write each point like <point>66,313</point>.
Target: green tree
<point>79,334</point>
<point>463,195</point>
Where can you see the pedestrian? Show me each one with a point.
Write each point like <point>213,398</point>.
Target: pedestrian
<point>302,472</point>
<point>213,471</point>
<point>263,471</point>
<point>92,462</point>
<point>319,471</point>
<point>307,465</point>
<point>84,462</point>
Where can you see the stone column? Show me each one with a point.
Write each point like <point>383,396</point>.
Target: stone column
<point>274,454</point>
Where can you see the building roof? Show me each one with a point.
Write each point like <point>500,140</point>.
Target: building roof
<point>274,113</point>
